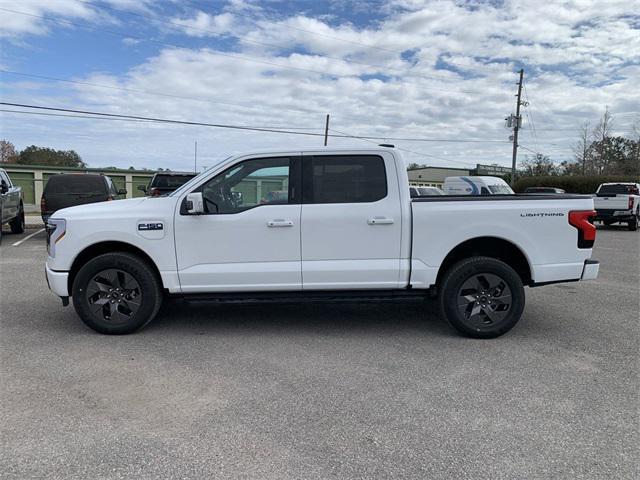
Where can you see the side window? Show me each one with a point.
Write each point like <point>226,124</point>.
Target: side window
<point>261,181</point>
<point>484,191</point>
<point>345,179</point>
<point>5,179</point>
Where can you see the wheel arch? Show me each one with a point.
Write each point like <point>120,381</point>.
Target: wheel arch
<point>487,246</point>
<point>109,247</point>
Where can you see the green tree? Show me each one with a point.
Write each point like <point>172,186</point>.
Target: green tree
<point>34,155</point>
<point>538,165</point>
<point>413,166</point>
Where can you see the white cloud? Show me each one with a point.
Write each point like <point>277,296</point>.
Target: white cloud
<point>578,57</point>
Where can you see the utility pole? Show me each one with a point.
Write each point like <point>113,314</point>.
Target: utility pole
<point>516,127</point>
<point>326,130</point>
<point>195,158</point>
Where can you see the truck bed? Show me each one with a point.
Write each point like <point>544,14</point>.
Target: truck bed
<point>537,225</point>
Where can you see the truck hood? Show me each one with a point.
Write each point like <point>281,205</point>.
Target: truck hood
<point>130,207</point>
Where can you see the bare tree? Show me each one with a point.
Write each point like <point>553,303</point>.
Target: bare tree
<point>601,135</point>
<point>582,149</point>
<point>7,152</point>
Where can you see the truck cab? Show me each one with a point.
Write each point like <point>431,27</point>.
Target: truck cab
<point>317,225</point>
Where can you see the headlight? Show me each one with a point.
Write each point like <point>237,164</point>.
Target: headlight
<point>56,228</point>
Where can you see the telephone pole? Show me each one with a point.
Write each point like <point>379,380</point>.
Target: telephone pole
<point>516,127</point>
<point>326,130</point>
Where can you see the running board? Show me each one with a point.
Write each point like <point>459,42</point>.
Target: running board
<point>331,296</point>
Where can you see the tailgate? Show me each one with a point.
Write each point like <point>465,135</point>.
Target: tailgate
<point>613,202</point>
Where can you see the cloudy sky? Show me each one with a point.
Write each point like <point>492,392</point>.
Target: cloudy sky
<point>436,78</point>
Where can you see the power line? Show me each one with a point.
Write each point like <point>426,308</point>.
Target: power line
<point>422,154</point>
<point>217,52</point>
<point>236,127</point>
<point>132,120</point>
<point>146,92</point>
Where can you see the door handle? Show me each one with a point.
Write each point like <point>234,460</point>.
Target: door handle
<point>279,223</point>
<point>380,221</point>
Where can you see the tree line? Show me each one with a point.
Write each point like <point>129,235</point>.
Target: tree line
<point>34,155</point>
<point>596,152</point>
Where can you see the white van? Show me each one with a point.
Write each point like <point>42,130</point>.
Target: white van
<point>476,186</point>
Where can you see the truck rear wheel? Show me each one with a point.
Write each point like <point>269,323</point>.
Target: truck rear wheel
<point>17,224</point>
<point>116,293</point>
<point>633,224</point>
<point>482,297</point>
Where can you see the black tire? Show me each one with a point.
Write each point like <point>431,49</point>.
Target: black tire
<point>17,224</point>
<point>116,293</point>
<point>633,224</point>
<point>482,297</point>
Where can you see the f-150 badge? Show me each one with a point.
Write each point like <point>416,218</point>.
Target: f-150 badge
<point>150,226</point>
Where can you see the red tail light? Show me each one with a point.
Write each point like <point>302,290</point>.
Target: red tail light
<point>630,203</point>
<point>155,192</point>
<point>581,219</point>
<point>43,204</point>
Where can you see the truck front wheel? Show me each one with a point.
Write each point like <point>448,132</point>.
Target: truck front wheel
<point>116,293</point>
<point>482,297</point>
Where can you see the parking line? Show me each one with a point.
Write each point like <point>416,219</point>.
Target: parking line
<point>27,238</point>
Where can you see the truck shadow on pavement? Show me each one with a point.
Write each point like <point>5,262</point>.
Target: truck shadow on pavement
<point>370,317</point>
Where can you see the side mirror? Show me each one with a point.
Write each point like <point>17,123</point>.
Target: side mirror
<point>142,188</point>
<point>4,188</point>
<point>122,191</point>
<point>194,203</point>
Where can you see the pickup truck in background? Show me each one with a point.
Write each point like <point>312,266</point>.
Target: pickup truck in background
<point>618,202</point>
<point>347,229</point>
<point>11,204</point>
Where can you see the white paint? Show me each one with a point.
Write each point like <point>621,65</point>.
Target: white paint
<point>20,242</point>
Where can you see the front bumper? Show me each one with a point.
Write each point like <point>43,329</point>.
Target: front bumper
<point>57,281</point>
<point>590,270</point>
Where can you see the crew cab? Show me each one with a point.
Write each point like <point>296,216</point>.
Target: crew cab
<point>618,202</point>
<point>346,230</point>
<point>11,204</point>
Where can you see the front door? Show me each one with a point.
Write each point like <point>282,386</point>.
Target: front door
<point>249,237</point>
<point>351,222</point>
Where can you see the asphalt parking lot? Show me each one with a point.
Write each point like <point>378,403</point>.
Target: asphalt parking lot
<point>318,391</point>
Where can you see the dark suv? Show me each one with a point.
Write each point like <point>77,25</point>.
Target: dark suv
<point>166,182</point>
<point>68,190</point>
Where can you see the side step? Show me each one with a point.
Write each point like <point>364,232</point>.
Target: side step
<point>332,296</point>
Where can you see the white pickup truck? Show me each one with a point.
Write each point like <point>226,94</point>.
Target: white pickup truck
<point>618,202</point>
<point>345,229</point>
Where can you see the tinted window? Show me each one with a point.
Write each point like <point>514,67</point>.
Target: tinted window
<point>4,178</point>
<point>618,188</point>
<point>76,183</point>
<point>170,181</point>
<point>346,179</point>
<point>262,181</point>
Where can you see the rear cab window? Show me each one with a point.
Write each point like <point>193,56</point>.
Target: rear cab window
<point>618,189</point>
<point>76,184</point>
<point>344,179</point>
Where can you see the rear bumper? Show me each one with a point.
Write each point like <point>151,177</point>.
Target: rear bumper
<point>614,215</point>
<point>57,281</point>
<point>590,270</point>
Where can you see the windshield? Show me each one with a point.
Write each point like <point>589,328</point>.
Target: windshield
<point>500,190</point>
<point>195,179</point>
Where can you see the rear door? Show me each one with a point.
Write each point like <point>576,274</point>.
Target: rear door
<point>351,222</point>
